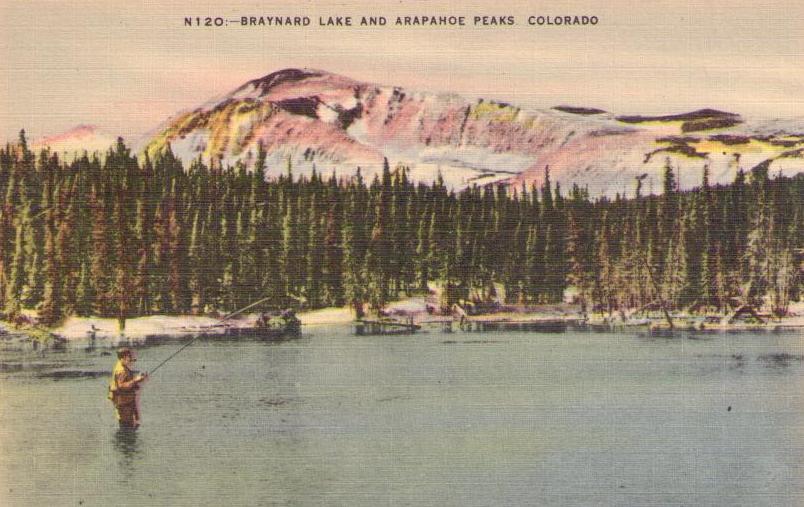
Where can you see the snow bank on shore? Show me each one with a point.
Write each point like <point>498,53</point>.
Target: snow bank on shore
<point>326,316</point>
<point>79,328</point>
<point>176,326</point>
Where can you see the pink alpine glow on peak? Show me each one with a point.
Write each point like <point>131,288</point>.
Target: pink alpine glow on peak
<point>313,119</point>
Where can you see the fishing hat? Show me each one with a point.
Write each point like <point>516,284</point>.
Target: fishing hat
<point>123,352</point>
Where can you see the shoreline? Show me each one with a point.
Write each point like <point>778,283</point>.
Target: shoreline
<point>103,332</point>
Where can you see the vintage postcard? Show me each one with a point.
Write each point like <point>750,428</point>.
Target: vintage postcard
<point>401,253</point>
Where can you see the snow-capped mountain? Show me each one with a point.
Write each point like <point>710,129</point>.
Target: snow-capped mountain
<point>76,141</point>
<point>311,118</point>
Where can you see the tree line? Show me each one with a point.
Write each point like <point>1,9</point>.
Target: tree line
<point>119,236</point>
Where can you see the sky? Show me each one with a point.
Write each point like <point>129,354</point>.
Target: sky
<point>126,67</point>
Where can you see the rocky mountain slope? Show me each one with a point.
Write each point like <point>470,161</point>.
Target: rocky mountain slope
<point>311,118</point>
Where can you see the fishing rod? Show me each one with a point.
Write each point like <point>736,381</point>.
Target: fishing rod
<point>222,319</point>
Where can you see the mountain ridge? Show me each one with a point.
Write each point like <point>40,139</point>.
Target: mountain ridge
<point>312,118</point>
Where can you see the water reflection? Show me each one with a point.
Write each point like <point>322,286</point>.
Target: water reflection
<point>125,442</point>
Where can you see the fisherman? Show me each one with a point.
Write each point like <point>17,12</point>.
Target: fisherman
<point>124,389</point>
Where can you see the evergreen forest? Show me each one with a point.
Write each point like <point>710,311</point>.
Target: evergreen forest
<point>121,236</point>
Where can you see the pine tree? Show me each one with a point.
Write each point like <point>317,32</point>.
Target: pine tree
<point>424,253</point>
<point>52,305</point>
<point>271,242</point>
<point>16,276</point>
<point>603,291</point>
<point>315,259</point>
<point>707,289</point>
<point>758,253</point>
<point>355,245</point>
<point>669,224</point>
<point>580,245</point>
<point>332,269</point>
<point>675,273</point>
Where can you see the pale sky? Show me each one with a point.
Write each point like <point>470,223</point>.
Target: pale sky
<point>128,66</point>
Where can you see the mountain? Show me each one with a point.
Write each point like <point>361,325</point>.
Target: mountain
<point>313,118</point>
<point>75,141</point>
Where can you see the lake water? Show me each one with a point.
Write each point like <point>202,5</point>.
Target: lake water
<point>430,419</point>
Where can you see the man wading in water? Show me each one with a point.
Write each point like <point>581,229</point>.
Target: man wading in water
<point>124,389</point>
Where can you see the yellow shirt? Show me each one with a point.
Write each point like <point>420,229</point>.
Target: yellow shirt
<point>120,374</point>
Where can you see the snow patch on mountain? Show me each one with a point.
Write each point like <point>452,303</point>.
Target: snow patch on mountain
<point>74,142</point>
<point>315,119</point>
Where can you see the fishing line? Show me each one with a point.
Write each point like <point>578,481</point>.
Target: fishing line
<point>222,319</point>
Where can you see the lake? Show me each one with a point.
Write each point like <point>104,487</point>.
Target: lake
<point>429,419</point>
